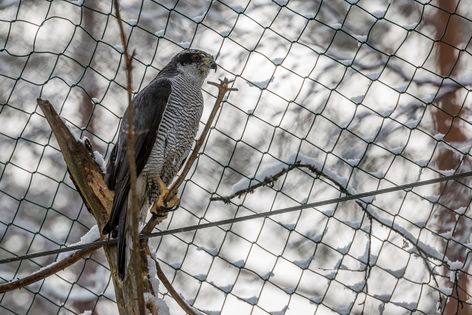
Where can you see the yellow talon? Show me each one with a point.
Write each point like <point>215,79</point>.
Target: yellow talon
<point>161,203</point>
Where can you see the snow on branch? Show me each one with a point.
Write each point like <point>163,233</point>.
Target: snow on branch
<point>272,173</point>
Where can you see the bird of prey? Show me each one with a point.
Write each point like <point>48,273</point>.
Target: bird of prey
<point>167,113</point>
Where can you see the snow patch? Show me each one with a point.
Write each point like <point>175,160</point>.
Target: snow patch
<point>360,38</point>
<point>100,161</point>
<point>373,75</point>
<point>432,198</point>
<point>411,306</point>
<point>412,123</point>
<point>329,211</point>
<point>353,162</point>
<point>358,99</point>
<point>251,300</point>
<point>238,8</point>
<point>303,264</point>
<point>382,297</point>
<point>316,299</point>
<point>422,163</point>
<point>336,25</point>
<point>119,48</point>
<point>212,251</point>
<point>460,210</point>
<point>289,226</point>
<point>239,263</point>
<point>379,13</point>
<point>378,174</point>
<point>398,273</point>
<point>92,235</point>
<point>358,286</point>
<point>261,84</point>
<point>202,277</point>
<point>446,291</point>
<point>447,172</point>
<point>267,275</point>
<point>455,265</point>
<point>439,136</point>
<point>344,249</point>
<point>368,199</point>
<point>402,88</point>
<point>281,2</point>
<point>429,98</point>
<point>225,33</point>
<point>410,27</point>
<point>397,150</point>
<point>198,18</point>
<point>153,273</point>
<point>277,61</point>
<point>452,276</point>
<point>308,15</point>
<point>226,289</point>
<point>281,312</point>
<point>330,274</point>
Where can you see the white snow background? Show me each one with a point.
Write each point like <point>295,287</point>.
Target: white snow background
<point>315,85</point>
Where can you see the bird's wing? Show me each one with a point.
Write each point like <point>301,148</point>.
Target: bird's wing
<point>149,107</point>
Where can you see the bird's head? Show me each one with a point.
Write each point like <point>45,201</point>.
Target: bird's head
<point>194,61</point>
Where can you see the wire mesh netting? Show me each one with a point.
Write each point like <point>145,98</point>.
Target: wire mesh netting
<point>366,94</point>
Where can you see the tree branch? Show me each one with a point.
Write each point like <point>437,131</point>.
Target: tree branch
<point>136,267</point>
<point>85,173</point>
<point>269,180</point>
<point>363,205</point>
<point>48,271</point>
<point>182,303</point>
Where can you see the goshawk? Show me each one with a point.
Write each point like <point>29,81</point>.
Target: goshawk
<point>167,113</point>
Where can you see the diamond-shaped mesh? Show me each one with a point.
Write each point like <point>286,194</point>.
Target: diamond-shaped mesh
<point>371,93</point>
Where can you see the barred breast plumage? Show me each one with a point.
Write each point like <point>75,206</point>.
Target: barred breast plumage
<point>177,131</point>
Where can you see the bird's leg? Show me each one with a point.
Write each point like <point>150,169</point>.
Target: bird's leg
<point>162,205</point>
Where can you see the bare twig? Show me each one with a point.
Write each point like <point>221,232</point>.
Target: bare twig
<point>223,88</point>
<point>182,303</point>
<point>49,271</point>
<point>132,222</point>
<point>133,213</point>
<point>271,179</point>
<point>364,205</point>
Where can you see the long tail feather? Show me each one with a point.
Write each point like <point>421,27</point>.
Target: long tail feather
<point>121,249</point>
